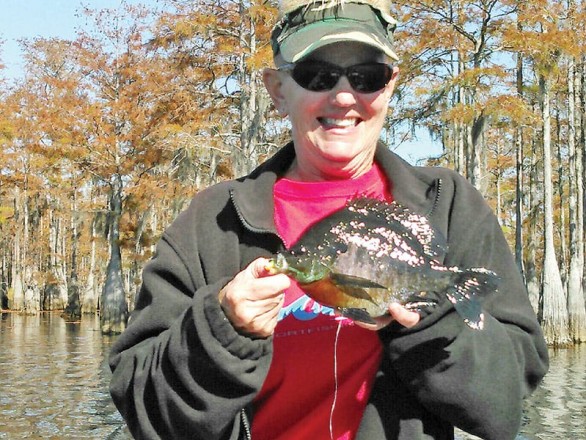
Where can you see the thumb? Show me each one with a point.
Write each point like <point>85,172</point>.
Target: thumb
<point>258,268</point>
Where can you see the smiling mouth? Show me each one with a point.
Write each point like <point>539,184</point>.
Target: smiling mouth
<point>339,123</point>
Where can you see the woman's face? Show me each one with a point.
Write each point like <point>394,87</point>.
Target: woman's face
<point>335,132</point>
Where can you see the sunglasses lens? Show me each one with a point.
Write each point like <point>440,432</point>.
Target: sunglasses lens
<point>368,78</point>
<point>316,77</point>
<point>319,77</point>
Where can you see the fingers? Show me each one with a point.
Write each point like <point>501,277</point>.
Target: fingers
<point>260,322</point>
<point>253,298</point>
<point>259,268</point>
<point>406,318</point>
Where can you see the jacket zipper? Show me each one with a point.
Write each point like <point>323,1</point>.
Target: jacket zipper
<point>248,226</point>
<point>436,200</point>
<point>245,424</point>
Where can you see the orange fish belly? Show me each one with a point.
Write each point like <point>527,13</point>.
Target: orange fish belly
<point>325,292</point>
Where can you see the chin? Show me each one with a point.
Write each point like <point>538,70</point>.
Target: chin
<point>340,151</point>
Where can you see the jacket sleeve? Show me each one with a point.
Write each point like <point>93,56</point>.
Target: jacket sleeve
<point>180,370</point>
<point>474,379</point>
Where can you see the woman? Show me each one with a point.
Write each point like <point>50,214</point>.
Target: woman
<point>219,348</point>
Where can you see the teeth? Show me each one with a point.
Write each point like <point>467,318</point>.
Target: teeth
<point>349,122</point>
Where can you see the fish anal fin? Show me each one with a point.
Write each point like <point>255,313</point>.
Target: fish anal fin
<point>356,314</point>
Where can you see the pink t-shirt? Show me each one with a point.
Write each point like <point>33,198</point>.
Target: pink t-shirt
<point>323,367</point>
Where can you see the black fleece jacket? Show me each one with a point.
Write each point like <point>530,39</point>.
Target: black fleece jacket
<point>181,371</point>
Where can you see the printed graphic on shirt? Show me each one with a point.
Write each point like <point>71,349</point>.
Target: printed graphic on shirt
<point>304,309</point>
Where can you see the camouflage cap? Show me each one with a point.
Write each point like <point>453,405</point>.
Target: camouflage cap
<point>305,26</point>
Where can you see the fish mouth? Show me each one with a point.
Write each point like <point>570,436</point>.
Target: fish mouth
<point>271,267</point>
<point>277,265</point>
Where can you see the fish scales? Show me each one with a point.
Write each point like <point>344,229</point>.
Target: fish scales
<point>370,254</point>
<point>401,278</point>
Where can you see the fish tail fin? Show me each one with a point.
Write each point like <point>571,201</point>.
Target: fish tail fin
<point>470,287</point>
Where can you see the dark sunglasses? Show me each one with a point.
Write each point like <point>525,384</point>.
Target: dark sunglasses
<point>319,76</point>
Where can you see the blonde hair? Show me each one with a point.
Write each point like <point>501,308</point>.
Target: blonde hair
<point>287,6</point>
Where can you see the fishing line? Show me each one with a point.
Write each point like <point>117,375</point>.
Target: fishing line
<point>335,378</point>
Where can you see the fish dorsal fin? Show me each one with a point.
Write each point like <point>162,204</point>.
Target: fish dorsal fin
<point>399,217</point>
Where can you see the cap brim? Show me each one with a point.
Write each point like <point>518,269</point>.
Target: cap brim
<point>303,42</point>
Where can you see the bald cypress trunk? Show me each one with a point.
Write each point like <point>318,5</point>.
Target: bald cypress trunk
<point>73,309</point>
<point>113,306</point>
<point>576,306</point>
<point>555,312</point>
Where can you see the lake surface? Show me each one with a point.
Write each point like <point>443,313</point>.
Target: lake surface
<point>54,385</point>
<point>54,379</point>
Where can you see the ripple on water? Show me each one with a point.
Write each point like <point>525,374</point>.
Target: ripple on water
<point>54,379</point>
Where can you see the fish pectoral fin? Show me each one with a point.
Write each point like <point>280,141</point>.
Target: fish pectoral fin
<point>354,286</point>
<point>353,281</point>
<point>356,314</point>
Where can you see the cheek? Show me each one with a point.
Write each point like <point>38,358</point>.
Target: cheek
<point>304,109</point>
<point>377,105</point>
<point>378,108</point>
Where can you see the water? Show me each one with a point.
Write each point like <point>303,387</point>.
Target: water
<point>54,380</point>
<point>558,407</point>
<point>54,385</point>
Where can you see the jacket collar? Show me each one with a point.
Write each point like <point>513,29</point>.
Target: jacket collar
<point>410,185</point>
<point>253,194</point>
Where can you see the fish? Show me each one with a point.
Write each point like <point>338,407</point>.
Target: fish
<point>372,253</point>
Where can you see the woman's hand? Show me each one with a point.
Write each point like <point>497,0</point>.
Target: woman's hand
<point>253,298</point>
<point>397,312</point>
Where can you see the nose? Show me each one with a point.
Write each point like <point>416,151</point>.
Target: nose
<point>343,94</point>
